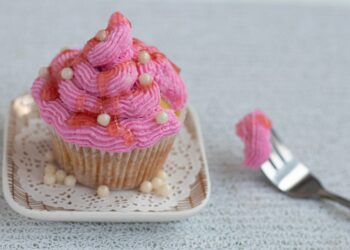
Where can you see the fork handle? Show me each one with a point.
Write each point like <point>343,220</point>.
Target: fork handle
<point>324,194</point>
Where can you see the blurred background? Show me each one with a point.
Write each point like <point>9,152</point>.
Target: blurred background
<point>289,58</point>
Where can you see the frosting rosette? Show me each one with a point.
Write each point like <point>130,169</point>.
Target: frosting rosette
<point>115,94</point>
<point>255,131</point>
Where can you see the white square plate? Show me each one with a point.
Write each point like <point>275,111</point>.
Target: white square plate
<point>22,109</point>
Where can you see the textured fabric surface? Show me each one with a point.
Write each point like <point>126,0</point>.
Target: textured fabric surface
<point>292,62</point>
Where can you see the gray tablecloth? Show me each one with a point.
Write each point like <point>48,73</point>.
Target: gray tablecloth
<point>293,62</point>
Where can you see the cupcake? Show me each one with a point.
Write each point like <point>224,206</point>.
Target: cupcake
<point>114,107</point>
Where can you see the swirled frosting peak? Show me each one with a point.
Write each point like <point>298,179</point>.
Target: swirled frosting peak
<point>108,94</point>
<point>255,131</point>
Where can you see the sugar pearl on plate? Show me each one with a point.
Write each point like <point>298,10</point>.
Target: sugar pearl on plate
<point>144,57</point>
<point>49,156</point>
<point>44,72</point>
<point>67,73</point>
<point>103,119</point>
<point>102,191</point>
<point>146,187</point>
<point>50,169</point>
<point>70,181</point>
<point>163,190</point>
<point>145,79</point>
<point>60,176</point>
<point>161,117</point>
<point>101,35</point>
<point>49,179</point>
<point>162,175</point>
<point>157,182</point>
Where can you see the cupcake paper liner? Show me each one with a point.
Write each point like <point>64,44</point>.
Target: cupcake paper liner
<point>92,167</point>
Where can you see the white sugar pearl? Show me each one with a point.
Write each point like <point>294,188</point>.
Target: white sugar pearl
<point>104,119</point>
<point>161,117</point>
<point>70,181</point>
<point>146,187</point>
<point>145,79</point>
<point>144,57</point>
<point>102,191</point>
<point>49,156</point>
<point>67,73</point>
<point>49,179</point>
<point>163,190</point>
<point>60,176</point>
<point>162,175</point>
<point>44,72</point>
<point>50,169</point>
<point>101,35</point>
<point>157,182</point>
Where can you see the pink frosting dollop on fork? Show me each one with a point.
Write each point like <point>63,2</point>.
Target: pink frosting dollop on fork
<point>255,131</point>
<point>103,78</point>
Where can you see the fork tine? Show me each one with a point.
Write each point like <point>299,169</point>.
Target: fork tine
<point>280,149</point>
<point>284,152</point>
<point>276,160</point>
<point>275,135</point>
<point>269,170</point>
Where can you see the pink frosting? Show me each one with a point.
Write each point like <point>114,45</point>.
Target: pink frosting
<point>255,131</point>
<point>105,80</point>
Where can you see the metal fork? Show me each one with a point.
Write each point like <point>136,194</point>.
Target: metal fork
<point>292,176</point>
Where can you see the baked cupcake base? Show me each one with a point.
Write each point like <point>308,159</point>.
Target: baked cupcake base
<point>92,167</point>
